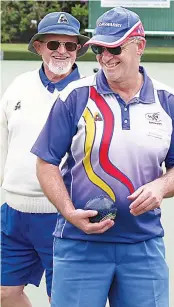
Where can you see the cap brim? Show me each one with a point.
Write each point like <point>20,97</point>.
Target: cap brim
<point>104,40</point>
<point>82,39</point>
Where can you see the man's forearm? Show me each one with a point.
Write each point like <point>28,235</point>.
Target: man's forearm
<point>168,183</point>
<point>53,187</point>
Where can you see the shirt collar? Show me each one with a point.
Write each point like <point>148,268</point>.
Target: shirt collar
<point>146,92</point>
<point>60,85</point>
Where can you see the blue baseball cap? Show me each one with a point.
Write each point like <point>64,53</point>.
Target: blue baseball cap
<point>60,23</point>
<point>115,26</point>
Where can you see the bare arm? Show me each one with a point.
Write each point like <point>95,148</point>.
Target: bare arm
<point>150,195</point>
<point>53,187</point>
<point>167,181</point>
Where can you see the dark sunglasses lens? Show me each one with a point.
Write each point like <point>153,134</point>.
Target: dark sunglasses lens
<point>115,51</point>
<point>97,49</point>
<point>53,45</point>
<point>70,46</point>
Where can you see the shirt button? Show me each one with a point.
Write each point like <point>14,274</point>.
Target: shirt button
<point>125,109</point>
<point>125,121</point>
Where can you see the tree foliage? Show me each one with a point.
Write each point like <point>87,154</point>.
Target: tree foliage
<point>19,19</point>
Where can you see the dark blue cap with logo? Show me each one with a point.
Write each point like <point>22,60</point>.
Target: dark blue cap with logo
<point>59,23</point>
<point>115,26</point>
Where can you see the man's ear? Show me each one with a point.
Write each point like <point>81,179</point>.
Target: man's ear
<point>141,46</point>
<point>37,47</point>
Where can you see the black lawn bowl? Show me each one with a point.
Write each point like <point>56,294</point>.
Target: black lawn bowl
<point>104,206</point>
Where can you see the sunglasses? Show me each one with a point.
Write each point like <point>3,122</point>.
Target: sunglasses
<point>115,50</point>
<point>54,45</point>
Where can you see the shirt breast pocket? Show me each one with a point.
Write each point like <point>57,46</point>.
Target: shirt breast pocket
<point>159,139</point>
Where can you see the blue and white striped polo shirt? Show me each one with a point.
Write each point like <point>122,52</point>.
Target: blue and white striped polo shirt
<point>113,148</point>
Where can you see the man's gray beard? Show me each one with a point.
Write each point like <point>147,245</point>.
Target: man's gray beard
<point>60,69</point>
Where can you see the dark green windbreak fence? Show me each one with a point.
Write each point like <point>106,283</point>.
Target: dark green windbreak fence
<point>154,20</point>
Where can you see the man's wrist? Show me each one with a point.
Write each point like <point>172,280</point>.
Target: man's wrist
<point>68,212</point>
<point>164,185</point>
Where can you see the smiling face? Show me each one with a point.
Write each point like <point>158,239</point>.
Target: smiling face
<point>122,67</point>
<point>57,62</point>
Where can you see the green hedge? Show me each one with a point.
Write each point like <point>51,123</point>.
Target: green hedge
<point>20,18</point>
<point>149,56</point>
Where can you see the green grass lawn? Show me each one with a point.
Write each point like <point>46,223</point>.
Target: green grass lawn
<point>14,47</point>
<point>151,54</point>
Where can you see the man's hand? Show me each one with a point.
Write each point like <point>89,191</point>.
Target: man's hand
<point>80,219</point>
<point>147,197</point>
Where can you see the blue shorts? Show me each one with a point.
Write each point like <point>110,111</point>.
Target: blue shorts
<point>27,247</point>
<point>130,275</point>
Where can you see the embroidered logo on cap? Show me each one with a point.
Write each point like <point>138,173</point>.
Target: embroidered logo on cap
<point>109,24</point>
<point>63,19</point>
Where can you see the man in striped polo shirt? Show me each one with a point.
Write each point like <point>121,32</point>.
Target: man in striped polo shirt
<point>118,128</point>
